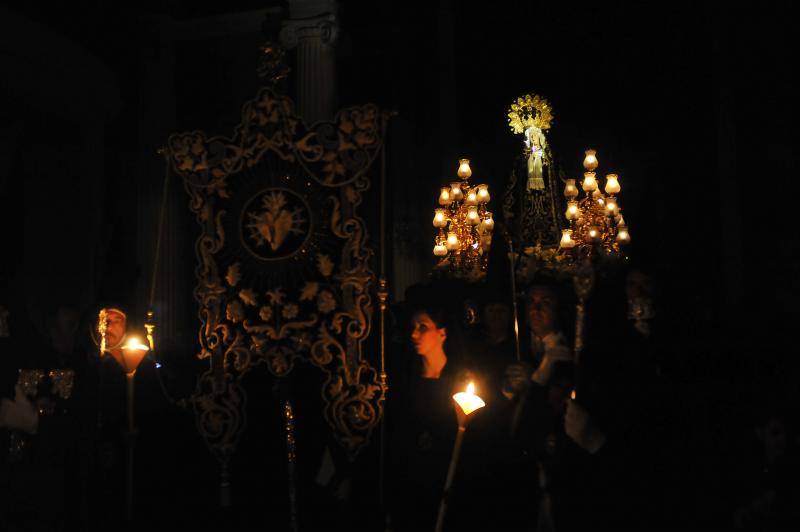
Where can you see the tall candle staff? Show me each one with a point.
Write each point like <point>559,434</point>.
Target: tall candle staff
<point>132,354</point>
<point>467,403</point>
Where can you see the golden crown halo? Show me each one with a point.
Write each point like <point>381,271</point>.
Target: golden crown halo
<point>530,110</point>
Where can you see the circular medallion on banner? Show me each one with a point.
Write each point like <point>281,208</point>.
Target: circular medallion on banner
<point>275,224</point>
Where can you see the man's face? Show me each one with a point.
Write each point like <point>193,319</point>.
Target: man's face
<point>116,329</point>
<point>542,304</point>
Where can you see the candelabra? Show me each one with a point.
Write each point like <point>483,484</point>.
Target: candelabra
<point>595,222</point>
<point>465,225</point>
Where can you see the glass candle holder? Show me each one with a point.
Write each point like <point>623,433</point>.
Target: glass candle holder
<point>573,213</point>
<point>455,191</point>
<point>452,241</point>
<point>612,184</point>
<point>439,219</point>
<point>444,196</point>
<point>589,183</point>
<point>483,194</point>
<point>566,239</point>
<point>590,160</point>
<point>464,171</point>
<point>570,190</point>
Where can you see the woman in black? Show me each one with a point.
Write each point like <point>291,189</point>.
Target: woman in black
<point>424,423</point>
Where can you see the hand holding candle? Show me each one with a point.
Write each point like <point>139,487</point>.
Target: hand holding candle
<point>467,403</point>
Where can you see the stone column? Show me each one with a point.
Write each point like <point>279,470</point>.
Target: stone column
<point>312,28</point>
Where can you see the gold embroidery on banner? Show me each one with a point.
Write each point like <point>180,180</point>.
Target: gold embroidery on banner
<point>321,313</point>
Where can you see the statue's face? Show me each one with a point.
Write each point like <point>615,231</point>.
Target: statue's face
<point>117,325</point>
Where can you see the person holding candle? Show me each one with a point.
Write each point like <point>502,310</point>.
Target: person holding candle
<point>422,419</point>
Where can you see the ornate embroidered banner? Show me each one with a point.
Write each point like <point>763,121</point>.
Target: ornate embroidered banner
<point>283,265</point>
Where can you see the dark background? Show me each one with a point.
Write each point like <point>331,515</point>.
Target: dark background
<point>689,103</point>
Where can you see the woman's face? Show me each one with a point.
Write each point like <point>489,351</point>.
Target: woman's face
<point>425,335</point>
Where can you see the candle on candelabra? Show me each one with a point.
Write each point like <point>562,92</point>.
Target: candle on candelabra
<point>623,237</point>
<point>488,223</point>
<point>452,241</point>
<point>589,182</point>
<point>612,184</point>
<point>439,219</point>
<point>472,216</point>
<point>590,161</point>
<point>444,197</point>
<point>572,210</point>
<point>566,239</point>
<point>570,190</point>
<point>455,191</point>
<point>464,171</point>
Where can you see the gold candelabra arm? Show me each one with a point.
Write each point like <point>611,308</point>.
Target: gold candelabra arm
<point>383,298</point>
<point>102,329</point>
<point>150,328</point>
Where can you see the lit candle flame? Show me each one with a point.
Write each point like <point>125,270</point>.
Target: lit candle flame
<point>132,354</point>
<point>134,344</point>
<point>464,171</point>
<point>468,401</point>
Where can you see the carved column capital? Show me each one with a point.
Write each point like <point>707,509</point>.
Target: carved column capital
<point>322,28</point>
